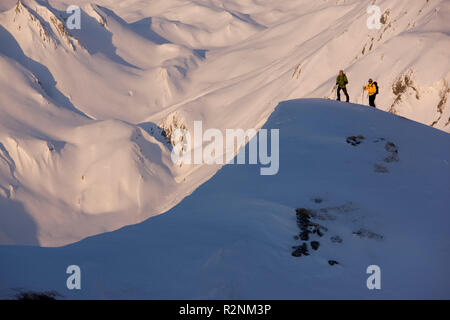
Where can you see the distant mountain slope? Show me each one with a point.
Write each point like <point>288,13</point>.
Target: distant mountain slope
<point>82,111</point>
<point>372,185</point>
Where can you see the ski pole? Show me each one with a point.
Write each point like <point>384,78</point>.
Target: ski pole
<point>362,98</point>
<point>333,91</point>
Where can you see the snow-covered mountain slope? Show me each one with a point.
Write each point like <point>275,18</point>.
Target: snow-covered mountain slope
<point>375,185</point>
<point>81,110</point>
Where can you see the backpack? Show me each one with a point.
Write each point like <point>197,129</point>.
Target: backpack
<point>376,86</point>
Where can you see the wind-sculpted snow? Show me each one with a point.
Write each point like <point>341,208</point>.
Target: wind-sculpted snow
<point>82,111</point>
<point>309,232</point>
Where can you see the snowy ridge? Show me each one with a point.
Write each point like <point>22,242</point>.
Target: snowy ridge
<point>43,22</point>
<point>240,235</point>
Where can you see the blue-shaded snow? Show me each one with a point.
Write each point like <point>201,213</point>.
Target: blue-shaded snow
<point>232,238</point>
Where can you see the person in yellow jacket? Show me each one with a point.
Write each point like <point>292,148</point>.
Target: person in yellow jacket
<point>372,88</point>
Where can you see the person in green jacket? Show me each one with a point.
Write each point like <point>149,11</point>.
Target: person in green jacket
<point>341,82</point>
